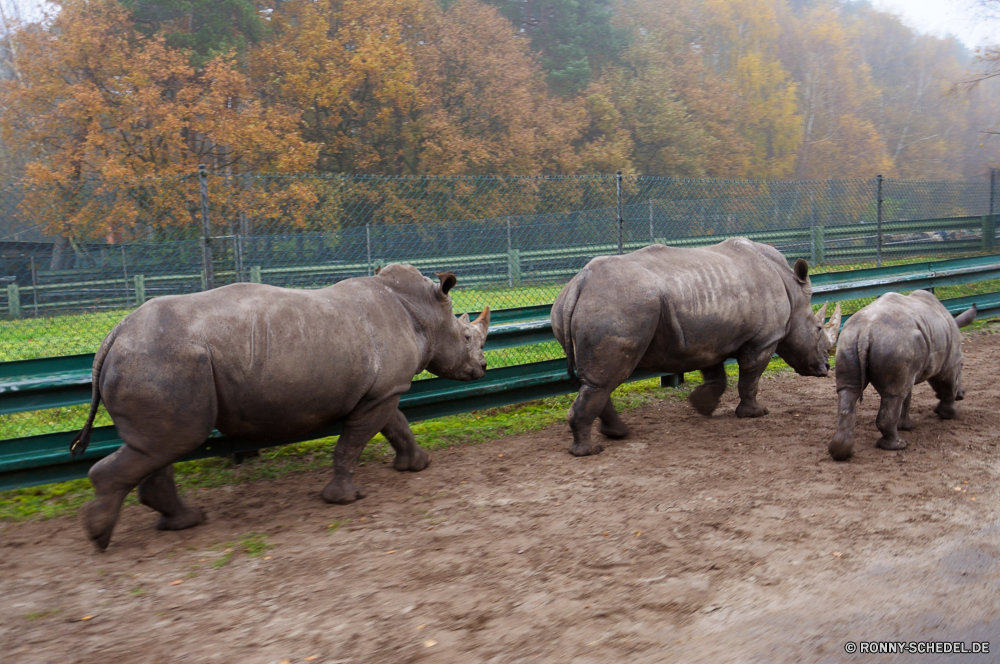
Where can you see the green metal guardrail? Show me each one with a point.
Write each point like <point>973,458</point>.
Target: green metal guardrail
<point>53,382</point>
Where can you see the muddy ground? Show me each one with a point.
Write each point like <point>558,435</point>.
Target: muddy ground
<point>697,539</point>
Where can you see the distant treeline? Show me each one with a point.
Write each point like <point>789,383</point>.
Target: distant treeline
<point>762,89</point>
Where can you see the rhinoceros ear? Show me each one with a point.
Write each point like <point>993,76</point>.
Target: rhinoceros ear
<point>801,270</point>
<point>966,316</point>
<point>832,329</point>
<point>448,281</point>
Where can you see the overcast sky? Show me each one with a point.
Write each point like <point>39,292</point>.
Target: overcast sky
<point>940,17</point>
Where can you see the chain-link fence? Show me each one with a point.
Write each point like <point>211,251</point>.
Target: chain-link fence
<point>74,258</point>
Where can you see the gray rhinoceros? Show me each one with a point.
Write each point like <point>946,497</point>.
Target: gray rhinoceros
<point>894,343</point>
<point>267,363</point>
<point>674,310</point>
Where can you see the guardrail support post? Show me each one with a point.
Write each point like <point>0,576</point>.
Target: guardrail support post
<point>208,278</point>
<point>818,245</point>
<point>671,380</point>
<point>878,232</point>
<point>255,274</point>
<point>514,266</point>
<point>140,289</point>
<point>14,300</point>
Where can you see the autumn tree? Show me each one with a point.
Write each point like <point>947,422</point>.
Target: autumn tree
<point>204,28</point>
<point>575,38</point>
<point>96,101</point>
<point>485,107</point>
<point>837,98</point>
<point>350,67</point>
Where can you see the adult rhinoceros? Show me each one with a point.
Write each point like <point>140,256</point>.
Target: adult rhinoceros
<point>267,363</point>
<point>674,310</point>
<point>894,343</point>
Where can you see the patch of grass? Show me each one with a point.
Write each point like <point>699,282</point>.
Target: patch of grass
<point>39,615</point>
<point>224,560</point>
<point>254,544</point>
<point>335,524</point>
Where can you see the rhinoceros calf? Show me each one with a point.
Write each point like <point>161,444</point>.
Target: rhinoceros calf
<point>675,310</point>
<point>267,363</point>
<point>894,343</point>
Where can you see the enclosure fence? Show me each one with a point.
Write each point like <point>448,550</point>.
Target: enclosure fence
<point>103,246</point>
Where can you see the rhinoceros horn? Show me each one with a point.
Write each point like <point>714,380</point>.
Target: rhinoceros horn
<point>832,329</point>
<point>966,316</point>
<point>821,314</point>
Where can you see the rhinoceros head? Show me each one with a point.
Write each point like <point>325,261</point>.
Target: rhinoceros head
<point>458,343</point>
<point>807,343</point>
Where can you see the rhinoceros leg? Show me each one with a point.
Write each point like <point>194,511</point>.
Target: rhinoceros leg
<point>842,445</point>
<point>887,422</point>
<point>160,492</point>
<point>589,404</point>
<point>905,423</point>
<point>750,373</point>
<point>113,477</point>
<point>948,393</point>
<point>359,427</point>
<point>611,424</point>
<point>409,455</point>
<point>706,396</point>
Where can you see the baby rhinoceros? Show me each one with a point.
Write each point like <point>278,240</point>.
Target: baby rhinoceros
<point>266,363</point>
<point>894,343</point>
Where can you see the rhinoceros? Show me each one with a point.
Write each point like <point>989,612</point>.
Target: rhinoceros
<point>894,343</point>
<point>266,363</point>
<point>674,310</point>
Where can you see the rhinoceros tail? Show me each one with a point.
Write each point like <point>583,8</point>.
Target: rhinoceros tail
<point>864,341</point>
<point>78,445</point>
<point>566,313</point>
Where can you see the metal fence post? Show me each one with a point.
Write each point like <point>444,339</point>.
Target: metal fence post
<point>878,228</point>
<point>34,285</point>
<point>140,289</point>
<point>651,240</point>
<point>368,246</point>
<point>125,274</point>
<point>989,228</point>
<point>238,257</point>
<point>14,300</point>
<point>208,280</point>
<point>621,221</point>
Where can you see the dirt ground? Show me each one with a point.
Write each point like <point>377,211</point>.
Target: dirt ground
<point>696,539</point>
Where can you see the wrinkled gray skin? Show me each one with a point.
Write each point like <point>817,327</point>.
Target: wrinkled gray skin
<point>674,310</point>
<point>267,363</point>
<point>894,343</point>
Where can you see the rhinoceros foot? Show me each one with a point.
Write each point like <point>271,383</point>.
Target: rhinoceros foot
<point>905,425</point>
<point>577,449</point>
<point>342,493</point>
<point>704,399</point>
<point>99,521</point>
<point>751,410</point>
<point>841,449</point>
<point>415,461</point>
<point>886,444</point>
<point>187,519</point>
<point>616,430</point>
<point>946,411</point>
